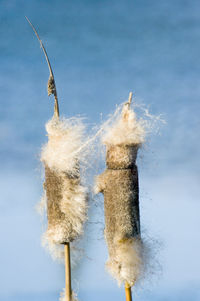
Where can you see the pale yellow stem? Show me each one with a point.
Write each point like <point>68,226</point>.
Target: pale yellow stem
<point>56,107</point>
<point>130,99</point>
<point>128,292</point>
<point>68,289</point>
<point>125,112</point>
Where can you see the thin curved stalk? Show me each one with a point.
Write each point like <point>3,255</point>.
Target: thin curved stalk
<point>51,82</point>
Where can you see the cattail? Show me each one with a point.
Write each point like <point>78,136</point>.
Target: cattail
<point>66,197</point>
<point>119,184</point>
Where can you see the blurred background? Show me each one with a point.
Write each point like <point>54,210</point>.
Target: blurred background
<point>100,50</point>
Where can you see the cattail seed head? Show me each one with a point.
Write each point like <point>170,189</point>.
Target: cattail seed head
<point>119,184</point>
<point>66,196</point>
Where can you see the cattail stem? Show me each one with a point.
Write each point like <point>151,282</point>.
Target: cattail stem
<point>56,107</point>
<point>130,98</point>
<point>68,289</point>
<point>128,292</point>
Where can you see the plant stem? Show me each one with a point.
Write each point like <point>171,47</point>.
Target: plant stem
<point>128,292</point>
<point>130,99</point>
<point>56,106</point>
<point>68,289</point>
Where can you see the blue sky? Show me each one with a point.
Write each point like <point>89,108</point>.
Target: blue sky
<point>101,50</point>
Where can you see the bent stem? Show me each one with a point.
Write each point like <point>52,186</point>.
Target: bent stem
<point>51,82</point>
<point>68,289</point>
<point>128,292</point>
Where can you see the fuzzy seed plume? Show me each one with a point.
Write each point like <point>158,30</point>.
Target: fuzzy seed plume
<point>65,137</point>
<point>126,129</point>
<point>126,261</point>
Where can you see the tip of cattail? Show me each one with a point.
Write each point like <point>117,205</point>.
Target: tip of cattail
<point>130,97</point>
<point>125,130</point>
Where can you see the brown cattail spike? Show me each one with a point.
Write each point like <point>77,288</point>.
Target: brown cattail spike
<point>119,184</point>
<point>51,87</point>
